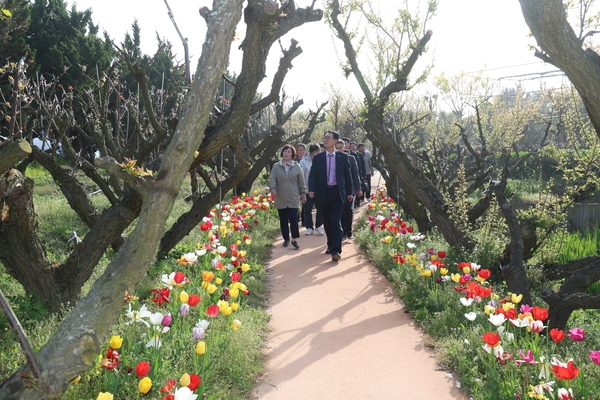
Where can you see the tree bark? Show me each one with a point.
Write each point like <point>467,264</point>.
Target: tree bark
<point>548,23</point>
<point>75,345</point>
<point>514,271</point>
<point>13,152</point>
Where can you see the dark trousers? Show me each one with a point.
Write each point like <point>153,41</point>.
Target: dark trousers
<point>368,192</point>
<point>347,217</point>
<point>288,220</point>
<point>332,219</point>
<point>307,210</point>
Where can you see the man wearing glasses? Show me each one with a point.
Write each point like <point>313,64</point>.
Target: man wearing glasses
<point>330,184</point>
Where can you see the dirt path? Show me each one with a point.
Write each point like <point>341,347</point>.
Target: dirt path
<point>338,332</point>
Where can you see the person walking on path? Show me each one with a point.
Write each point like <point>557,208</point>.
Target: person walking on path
<point>348,213</point>
<point>330,184</point>
<point>306,164</point>
<point>287,188</point>
<point>368,169</point>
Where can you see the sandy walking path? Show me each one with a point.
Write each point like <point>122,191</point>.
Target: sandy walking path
<point>339,332</point>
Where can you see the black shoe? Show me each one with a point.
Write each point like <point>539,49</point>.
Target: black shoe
<point>295,244</point>
<point>328,251</point>
<point>335,256</point>
<point>285,243</point>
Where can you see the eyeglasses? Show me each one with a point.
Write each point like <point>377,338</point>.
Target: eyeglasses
<point>327,137</point>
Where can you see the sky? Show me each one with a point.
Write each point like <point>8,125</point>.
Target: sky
<point>468,36</point>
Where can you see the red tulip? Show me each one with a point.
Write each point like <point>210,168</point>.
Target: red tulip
<point>194,382</point>
<point>484,273</point>
<point>491,339</point>
<point>212,310</point>
<point>142,369</point>
<point>564,371</point>
<point>540,313</point>
<point>193,300</point>
<point>441,254</point>
<point>179,277</point>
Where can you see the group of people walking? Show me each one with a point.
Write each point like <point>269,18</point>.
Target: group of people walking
<point>333,176</point>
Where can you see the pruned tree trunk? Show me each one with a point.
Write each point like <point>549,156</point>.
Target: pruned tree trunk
<point>13,152</point>
<point>75,345</point>
<point>572,296</point>
<point>514,271</point>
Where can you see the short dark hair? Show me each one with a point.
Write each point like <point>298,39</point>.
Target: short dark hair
<point>346,139</point>
<point>313,147</point>
<point>321,145</point>
<point>336,136</point>
<point>301,145</point>
<point>290,147</point>
<point>340,142</point>
<point>360,144</point>
<point>353,142</point>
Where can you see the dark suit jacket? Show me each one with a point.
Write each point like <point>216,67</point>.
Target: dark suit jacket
<point>317,179</point>
<point>354,175</point>
<point>360,159</point>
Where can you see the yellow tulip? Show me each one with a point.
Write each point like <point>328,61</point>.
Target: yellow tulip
<point>75,380</point>
<point>235,306</point>
<point>211,288</point>
<point>236,324</point>
<point>218,281</point>
<point>104,396</point>
<point>444,271</point>
<point>507,306</point>
<point>227,311</point>
<point>489,309</point>
<point>200,348</point>
<point>185,379</point>
<point>183,296</point>
<point>222,304</point>
<point>466,270</point>
<point>516,298</point>
<point>238,242</point>
<point>234,293</point>
<point>455,277</point>
<point>145,385</point>
<point>248,241</point>
<point>242,253</point>
<point>245,267</point>
<point>234,285</point>
<point>115,342</point>
<point>434,257</point>
<point>426,273</point>
<point>479,279</point>
<point>242,287</point>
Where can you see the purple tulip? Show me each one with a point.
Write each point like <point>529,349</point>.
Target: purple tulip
<point>198,333</point>
<point>184,309</point>
<point>595,356</point>
<point>577,334</point>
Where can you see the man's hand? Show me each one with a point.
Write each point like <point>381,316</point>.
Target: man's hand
<point>349,197</point>
<point>311,195</point>
<point>359,193</point>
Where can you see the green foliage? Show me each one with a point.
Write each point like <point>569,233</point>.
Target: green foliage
<point>63,41</point>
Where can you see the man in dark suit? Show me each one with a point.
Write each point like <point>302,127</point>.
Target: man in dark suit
<point>330,184</point>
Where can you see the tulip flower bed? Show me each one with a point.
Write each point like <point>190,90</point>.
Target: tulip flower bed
<point>185,334</point>
<point>499,347</point>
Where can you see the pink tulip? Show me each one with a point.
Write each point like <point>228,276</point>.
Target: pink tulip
<point>595,356</point>
<point>577,334</point>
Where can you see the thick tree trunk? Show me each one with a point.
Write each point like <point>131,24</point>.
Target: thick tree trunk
<point>548,23</point>
<point>19,230</point>
<point>77,342</point>
<point>514,271</point>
